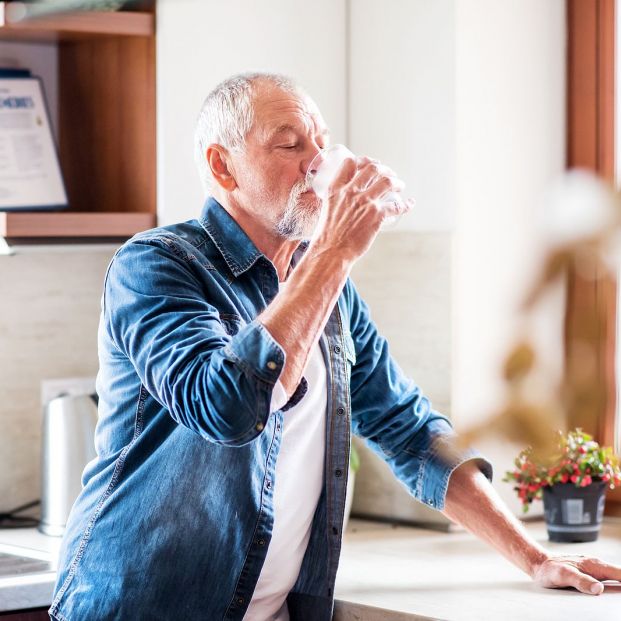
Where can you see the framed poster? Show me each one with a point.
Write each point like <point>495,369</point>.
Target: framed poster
<point>30,175</point>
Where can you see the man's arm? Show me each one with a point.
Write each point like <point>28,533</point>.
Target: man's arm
<point>297,316</point>
<point>472,502</point>
<point>348,225</point>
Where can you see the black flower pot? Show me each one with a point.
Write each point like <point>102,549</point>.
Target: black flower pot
<point>574,514</point>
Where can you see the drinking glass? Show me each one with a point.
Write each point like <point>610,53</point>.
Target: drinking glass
<point>323,169</point>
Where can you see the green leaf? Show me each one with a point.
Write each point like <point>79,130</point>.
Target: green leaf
<point>354,459</point>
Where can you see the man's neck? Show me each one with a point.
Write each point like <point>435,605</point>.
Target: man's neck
<point>277,249</point>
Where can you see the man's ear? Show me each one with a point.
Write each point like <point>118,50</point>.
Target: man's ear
<point>218,160</point>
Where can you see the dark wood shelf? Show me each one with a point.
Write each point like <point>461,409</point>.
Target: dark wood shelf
<point>107,152</point>
<point>80,25</point>
<point>73,224</point>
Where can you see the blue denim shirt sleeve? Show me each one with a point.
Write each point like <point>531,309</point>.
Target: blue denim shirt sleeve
<point>157,314</point>
<point>394,417</point>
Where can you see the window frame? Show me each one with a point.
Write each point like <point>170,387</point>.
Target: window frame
<point>591,145</point>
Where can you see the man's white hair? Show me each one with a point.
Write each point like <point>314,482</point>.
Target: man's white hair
<point>227,115</point>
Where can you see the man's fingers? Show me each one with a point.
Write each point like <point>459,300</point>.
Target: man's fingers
<point>397,207</point>
<point>366,173</point>
<point>382,186</point>
<point>600,570</point>
<point>570,576</point>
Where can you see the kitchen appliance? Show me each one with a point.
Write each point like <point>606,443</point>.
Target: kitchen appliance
<point>67,446</point>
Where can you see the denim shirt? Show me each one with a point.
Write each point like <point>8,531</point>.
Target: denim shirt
<point>176,512</point>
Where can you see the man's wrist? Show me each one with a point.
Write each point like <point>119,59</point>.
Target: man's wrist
<point>333,255</point>
<point>536,558</point>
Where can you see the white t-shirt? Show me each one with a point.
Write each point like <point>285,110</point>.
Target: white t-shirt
<point>297,487</point>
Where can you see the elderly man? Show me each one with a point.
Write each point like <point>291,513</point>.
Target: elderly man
<point>235,357</point>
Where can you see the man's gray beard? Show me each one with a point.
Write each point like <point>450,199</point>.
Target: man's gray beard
<point>298,221</point>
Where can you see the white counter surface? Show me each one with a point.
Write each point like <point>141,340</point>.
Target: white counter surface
<point>455,577</point>
<point>29,590</point>
<point>449,576</point>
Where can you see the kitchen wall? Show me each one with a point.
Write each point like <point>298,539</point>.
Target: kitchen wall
<point>49,312</point>
<point>201,42</point>
<point>383,75</point>
<point>510,122</point>
<point>402,90</point>
<point>467,98</point>
<point>464,99</point>
<point>49,309</point>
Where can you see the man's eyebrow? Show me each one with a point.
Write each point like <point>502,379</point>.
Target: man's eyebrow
<point>287,127</point>
<point>281,129</point>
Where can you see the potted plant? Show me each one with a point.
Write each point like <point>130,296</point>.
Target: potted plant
<point>572,483</point>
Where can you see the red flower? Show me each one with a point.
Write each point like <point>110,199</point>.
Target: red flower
<point>565,478</point>
<point>574,478</point>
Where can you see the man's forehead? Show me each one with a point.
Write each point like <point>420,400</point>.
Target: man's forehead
<point>278,111</point>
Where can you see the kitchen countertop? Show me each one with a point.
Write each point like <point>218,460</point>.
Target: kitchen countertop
<point>421,573</point>
<point>29,590</point>
<point>454,576</point>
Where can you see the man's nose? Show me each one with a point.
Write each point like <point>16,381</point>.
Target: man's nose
<point>312,160</point>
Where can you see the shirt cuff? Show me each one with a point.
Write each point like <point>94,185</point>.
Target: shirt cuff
<point>443,461</point>
<point>438,455</point>
<point>256,350</point>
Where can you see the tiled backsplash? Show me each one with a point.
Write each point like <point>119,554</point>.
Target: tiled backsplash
<point>49,313</point>
<point>406,280</point>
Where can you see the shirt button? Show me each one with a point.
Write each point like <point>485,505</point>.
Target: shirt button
<point>261,542</point>
<point>337,349</point>
<point>430,502</point>
<point>335,530</point>
<point>240,601</point>
<point>271,365</point>
<point>268,484</point>
<point>340,411</point>
<point>338,472</point>
<point>259,427</point>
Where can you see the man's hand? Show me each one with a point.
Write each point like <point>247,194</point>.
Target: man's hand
<point>472,501</point>
<point>579,572</point>
<point>353,211</point>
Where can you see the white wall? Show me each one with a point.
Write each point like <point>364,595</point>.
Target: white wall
<point>389,93</point>
<point>402,99</point>
<point>201,42</point>
<point>510,109</point>
<point>510,146</point>
<point>48,329</point>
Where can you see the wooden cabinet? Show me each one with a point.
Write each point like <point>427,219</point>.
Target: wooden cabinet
<point>107,149</point>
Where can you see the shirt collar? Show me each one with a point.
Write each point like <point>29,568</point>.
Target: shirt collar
<point>237,249</point>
